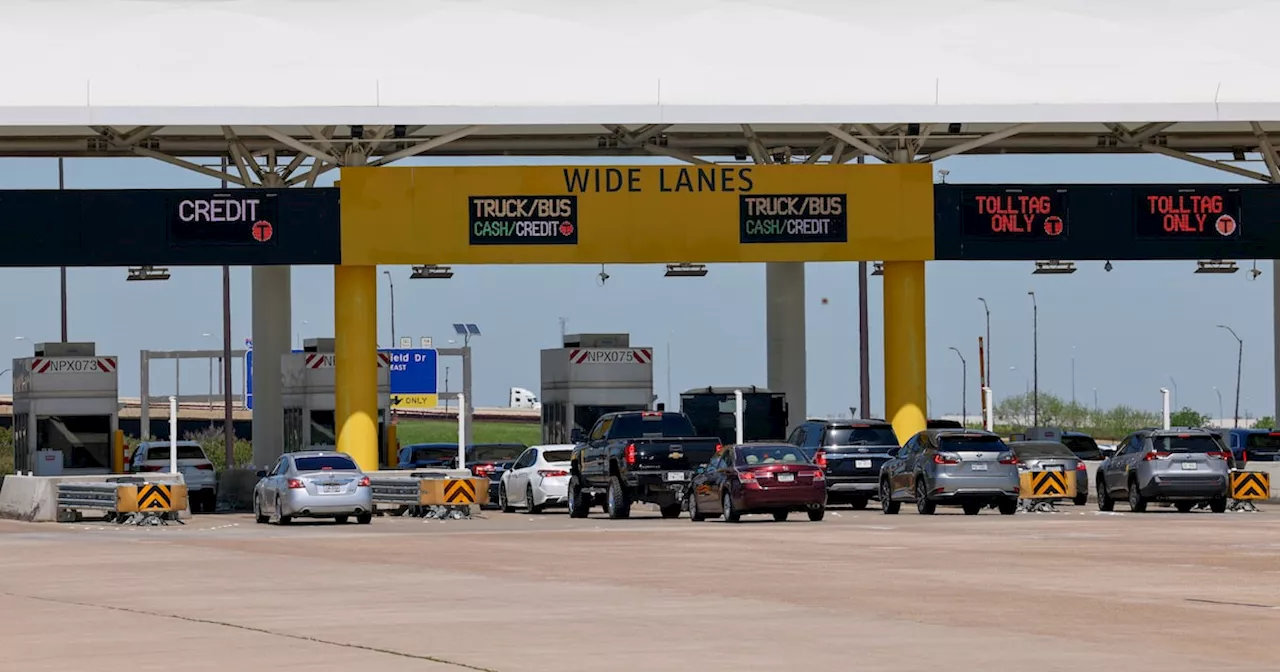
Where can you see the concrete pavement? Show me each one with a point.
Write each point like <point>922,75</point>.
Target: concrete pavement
<point>1078,589</point>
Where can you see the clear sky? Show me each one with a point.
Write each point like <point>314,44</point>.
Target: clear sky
<point>1128,331</point>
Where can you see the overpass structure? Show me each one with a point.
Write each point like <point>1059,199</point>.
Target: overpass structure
<point>289,91</point>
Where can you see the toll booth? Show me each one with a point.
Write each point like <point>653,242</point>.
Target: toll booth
<point>308,382</point>
<point>591,375</point>
<point>66,408</point>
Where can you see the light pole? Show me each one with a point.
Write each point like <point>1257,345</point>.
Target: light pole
<point>62,184</point>
<point>1095,404</point>
<point>392,284</point>
<point>1035,360</point>
<point>1175,392</point>
<point>670,334</point>
<point>964,383</point>
<point>1239,365</point>
<point>1219,393</point>
<point>1073,377</point>
<point>988,312</point>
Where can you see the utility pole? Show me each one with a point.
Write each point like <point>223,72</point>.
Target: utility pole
<point>964,383</point>
<point>988,347</point>
<point>392,284</point>
<point>1035,361</point>
<point>62,272</point>
<point>1239,368</point>
<point>228,423</point>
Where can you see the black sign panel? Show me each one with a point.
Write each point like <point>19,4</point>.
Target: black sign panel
<point>174,227</point>
<point>523,220</point>
<point>1015,213</point>
<point>223,219</point>
<point>793,218</point>
<point>1190,213</point>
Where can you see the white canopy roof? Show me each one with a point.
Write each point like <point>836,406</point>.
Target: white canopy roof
<point>532,62</point>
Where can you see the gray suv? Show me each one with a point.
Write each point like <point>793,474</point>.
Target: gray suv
<point>951,466</point>
<point>1186,466</point>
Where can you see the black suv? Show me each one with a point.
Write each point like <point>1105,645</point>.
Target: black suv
<point>851,452</point>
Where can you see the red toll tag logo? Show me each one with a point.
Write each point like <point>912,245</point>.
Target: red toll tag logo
<point>1053,225</point>
<point>566,229</point>
<point>262,231</point>
<point>1226,225</point>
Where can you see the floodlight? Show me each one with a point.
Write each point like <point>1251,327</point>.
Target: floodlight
<point>1054,267</point>
<point>686,270</point>
<point>1216,266</point>
<point>431,272</point>
<point>147,273</point>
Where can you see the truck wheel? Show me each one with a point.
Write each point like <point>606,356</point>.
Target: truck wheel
<point>670,510</point>
<point>619,507</point>
<point>579,505</point>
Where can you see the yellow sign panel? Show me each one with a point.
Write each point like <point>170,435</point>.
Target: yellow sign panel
<point>1250,485</point>
<point>636,214</point>
<point>1048,484</point>
<point>414,401</point>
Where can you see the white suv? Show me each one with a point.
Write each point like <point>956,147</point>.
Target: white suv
<point>195,467</point>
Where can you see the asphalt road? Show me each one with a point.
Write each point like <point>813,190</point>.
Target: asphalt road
<point>1066,591</point>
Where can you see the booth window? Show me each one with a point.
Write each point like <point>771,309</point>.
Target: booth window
<point>324,428</point>
<point>84,440</point>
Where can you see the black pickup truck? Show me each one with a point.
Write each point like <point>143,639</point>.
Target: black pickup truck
<point>636,456</point>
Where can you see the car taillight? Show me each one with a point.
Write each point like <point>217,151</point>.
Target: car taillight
<point>1221,455</point>
<point>552,473</point>
<point>944,458</point>
<point>1080,466</point>
<point>818,476</point>
<point>820,459</point>
<point>1155,456</point>
<point>719,447</point>
<point>364,482</point>
<point>1008,458</point>
<point>1244,456</point>
<point>482,469</point>
<point>295,484</point>
<point>204,467</point>
<point>747,476</point>
<point>631,453</point>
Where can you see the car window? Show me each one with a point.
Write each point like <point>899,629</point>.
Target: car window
<point>558,455</point>
<point>971,443</point>
<point>494,453</point>
<point>184,453</point>
<point>1261,440</point>
<point>527,459</point>
<point>1041,449</point>
<point>325,463</point>
<point>1125,445</point>
<point>652,424</point>
<point>1084,447</point>
<point>759,455</point>
<point>794,437</point>
<point>1186,443</point>
<point>279,468</point>
<point>601,429</point>
<point>427,455</point>
<point>860,436</point>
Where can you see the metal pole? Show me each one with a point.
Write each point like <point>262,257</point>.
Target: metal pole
<point>737,416</point>
<point>987,310</point>
<point>1220,411</point>
<point>669,399</point>
<point>1035,360</point>
<point>864,344</point>
<point>228,424</point>
<point>1164,402</point>
<point>62,184</point>
<point>462,432</point>
<point>392,284</point>
<point>173,435</point>
<point>465,407</point>
<point>1239,366</point>
<point>964,384</point>
<point>144,413</point>
<point>988,414</point>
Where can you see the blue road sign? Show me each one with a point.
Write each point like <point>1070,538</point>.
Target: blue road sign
<point>413,378</point>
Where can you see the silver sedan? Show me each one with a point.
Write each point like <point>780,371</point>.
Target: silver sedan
<point>313,485</point>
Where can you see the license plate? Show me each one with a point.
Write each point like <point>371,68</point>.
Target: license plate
<point>786,477</point>
<point>862,464</point>
<point>1190,466</point>
<point>675,475</point>
<point>1053,467</point>
<point>979,466</point>
<point>329,489</point>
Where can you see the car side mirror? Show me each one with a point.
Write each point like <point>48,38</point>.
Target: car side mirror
<point>575,436</point>
<point>262,474</point>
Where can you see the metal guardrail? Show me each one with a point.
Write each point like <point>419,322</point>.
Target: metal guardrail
<point>430,494</point>
<point>127,500</point>
<point>395,491</point>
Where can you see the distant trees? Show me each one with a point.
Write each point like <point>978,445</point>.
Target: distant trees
<point>1017,412</point>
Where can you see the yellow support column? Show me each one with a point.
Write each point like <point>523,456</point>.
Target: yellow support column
<point>355,313</point>
<point>905,391</point>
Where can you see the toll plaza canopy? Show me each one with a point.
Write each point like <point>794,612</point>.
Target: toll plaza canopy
<point>288,91</point>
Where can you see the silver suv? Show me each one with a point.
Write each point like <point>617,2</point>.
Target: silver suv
<point>1186,466</point>
<point>951,466</point>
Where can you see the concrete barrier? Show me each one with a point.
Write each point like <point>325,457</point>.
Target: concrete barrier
<point>35,498</point>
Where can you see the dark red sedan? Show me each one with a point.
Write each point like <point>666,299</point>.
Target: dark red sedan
<point>773,478</point>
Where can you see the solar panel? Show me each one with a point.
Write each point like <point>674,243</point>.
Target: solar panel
<point>473,329</point>
<point>460,329</point>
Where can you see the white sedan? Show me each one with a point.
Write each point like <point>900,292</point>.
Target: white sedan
<point>539,478</point>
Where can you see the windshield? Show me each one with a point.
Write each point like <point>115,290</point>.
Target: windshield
<point>1186,443</point>
<point>1040,450</point>
<point>754,456</point>
<point>652,424</point>
<point>1084,447</point>
<point>971,443</point>
<point>860,436</point>
<point>557,455</point>
<point>184,453</point>
<point>325,463</point>
<point>1269,440</point>
<point>434,454</point>
<point>495,453</point>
